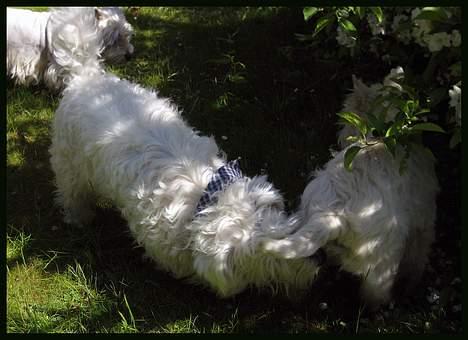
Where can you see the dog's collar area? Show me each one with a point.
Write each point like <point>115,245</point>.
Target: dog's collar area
<point>222,178</point>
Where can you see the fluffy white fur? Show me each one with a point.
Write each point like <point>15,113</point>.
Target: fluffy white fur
<point>361,98</point>
<point>120,141</point>
<point>372,221</point>
<point>30,52</point>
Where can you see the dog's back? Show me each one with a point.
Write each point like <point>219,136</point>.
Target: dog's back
<point>26,27</point>
<point>374,221</point>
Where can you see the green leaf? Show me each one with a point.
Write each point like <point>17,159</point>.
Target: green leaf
<point>433,14</point>
<point>421,112</point>
<point>359,11</point>
<point>378,124</point>
<point>352,139</point>
<point>236,78</point>
<point>349,156</point>
<point>409,107</point>
<point>347,25</point>
<point>321,24</point>
<point>309,12</point>
<point>354,120</point>
<point>427,127</point>
<point>393,130</point>
<point>378,13</point>
<point>390,143</point>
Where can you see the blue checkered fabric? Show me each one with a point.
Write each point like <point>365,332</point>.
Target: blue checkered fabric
<point>222,178</point>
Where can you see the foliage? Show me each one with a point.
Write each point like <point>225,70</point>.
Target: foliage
<point>396,117</point>
<point>425,41</point>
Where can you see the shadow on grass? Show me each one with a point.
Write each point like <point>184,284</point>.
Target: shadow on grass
<point>251,85</point>
<point>248,82</point>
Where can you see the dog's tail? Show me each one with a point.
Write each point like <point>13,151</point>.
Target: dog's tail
<point>73,41</point>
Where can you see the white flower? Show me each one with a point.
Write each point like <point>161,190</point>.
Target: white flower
<point>425,26</point>
<point>455,101</point>
<point>396,73</point>
<point>323,306</point>
<point>420,30</point>
<point>344,38</point>
<point>456,38</point>
<point>433,297</point>
<point>435,42</point>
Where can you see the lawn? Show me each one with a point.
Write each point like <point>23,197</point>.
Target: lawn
<point>240,75</point>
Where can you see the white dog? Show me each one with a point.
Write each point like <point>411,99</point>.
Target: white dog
<point>30,56</point>
<point>372,221</point>
<point>194,213</point>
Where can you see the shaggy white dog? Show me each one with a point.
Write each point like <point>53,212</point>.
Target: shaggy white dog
<point>372,221</point>
<point>30,56</point>
<point>120,141</point>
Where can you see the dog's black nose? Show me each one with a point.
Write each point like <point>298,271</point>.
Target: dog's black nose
<point>128,56</point>
<point>319,256</point>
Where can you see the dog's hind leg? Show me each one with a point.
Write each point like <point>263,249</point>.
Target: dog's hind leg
<point>73,191</point>
<point>379,276</point>
<point>414,260</point>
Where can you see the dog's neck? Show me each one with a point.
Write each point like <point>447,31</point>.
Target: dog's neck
<point>222,178</point>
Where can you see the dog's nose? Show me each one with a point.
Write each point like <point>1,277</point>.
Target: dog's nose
<point>319,257</point>
<point>128,56</point>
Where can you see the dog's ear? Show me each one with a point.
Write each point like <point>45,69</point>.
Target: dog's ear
<point>98,13</point>
<point>358,84</point>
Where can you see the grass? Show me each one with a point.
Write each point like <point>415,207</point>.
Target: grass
<point>240,76</point>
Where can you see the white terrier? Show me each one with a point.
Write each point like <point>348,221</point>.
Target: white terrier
<point>193,213</point>
<point>372,221</point>
<point>30,56</point>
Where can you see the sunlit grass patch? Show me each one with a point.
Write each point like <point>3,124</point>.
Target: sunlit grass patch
<point>16,245</point>
<point>39,301</point>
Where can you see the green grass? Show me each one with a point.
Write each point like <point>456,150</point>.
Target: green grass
<point>239,75</point>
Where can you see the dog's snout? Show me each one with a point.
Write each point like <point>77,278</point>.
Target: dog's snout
<point>319,257</point>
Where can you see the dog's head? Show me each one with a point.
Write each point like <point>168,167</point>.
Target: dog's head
<point>233,238</point>
<point>361,99</point>
<point>116,34</point>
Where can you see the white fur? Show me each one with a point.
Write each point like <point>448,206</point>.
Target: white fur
<point>372,221</point>
<point>360,99</point>
<point>30,51</point>
<point>117,140</point>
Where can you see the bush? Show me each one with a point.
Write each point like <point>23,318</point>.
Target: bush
<point>425,41</point>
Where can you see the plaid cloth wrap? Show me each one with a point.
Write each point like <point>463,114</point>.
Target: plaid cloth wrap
<point>222,178</point>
